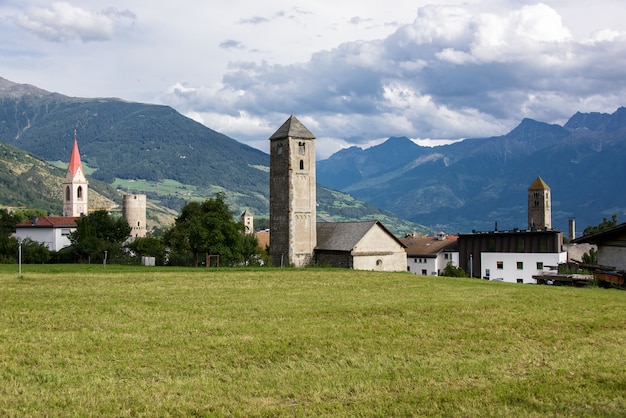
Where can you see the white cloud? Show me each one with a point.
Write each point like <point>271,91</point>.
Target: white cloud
<point>63,22</point>
<point>356,72</point>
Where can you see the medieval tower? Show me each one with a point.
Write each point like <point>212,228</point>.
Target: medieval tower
<point>75,186</point>
<point>248,221</point>
<point>539,202</point>
<point>292,195</point>
<point>134,212</point>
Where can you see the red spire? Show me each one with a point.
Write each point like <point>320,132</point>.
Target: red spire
<point>75,163</point>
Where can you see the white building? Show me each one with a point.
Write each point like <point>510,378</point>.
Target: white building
<point>429,256</point>
<point>51,231</point>
<point>518,267</point>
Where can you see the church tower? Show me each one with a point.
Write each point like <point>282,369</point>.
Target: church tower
<point>292,195</point>
<point>75,201</point>
<point>539,202</point>
<point>247,219</point>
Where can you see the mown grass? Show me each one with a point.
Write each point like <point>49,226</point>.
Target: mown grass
<point>130,341</point>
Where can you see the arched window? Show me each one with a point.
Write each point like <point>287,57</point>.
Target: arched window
<point>67,193</point>
<point>301,164</point>
<point>79,192</point>
<point>301,148</point>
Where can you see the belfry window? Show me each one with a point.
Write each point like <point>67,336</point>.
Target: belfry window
<point>301,149</point>
<point>79,192</point>
<point>301,164</point>
<point>67,193</point>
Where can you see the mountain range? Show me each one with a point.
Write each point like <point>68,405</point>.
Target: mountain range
<point>139,148</point>
<point>479,183</point>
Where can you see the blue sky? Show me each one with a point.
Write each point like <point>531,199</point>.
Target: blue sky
<point>354,72</point>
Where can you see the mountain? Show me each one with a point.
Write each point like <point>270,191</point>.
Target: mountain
<point>477,182</point>
<point>143,148</point>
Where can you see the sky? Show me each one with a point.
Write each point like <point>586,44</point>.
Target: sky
<point>355,72</point>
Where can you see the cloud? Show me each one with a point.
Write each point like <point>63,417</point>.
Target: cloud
<point>231,44</point>
<point>450,74</point>
<point>62,22</point>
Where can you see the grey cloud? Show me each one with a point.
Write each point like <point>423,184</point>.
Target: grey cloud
<point>448,75</point>
<point>231,44</point>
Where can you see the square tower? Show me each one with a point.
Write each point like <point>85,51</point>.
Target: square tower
<point>292,195</point>
<point>539,212</point>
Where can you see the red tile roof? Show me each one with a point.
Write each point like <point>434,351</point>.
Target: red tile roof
<point>49,222</point>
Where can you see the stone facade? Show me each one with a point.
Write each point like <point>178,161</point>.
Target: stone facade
<point>292,195</point>
<point>134,212</point>
<point>539,202</point>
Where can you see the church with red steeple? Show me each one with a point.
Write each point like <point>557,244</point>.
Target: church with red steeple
<point>75,186</point>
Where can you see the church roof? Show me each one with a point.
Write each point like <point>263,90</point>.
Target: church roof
<point>539,184</point>
<point>292,128</point>
<point>344,236</point>
<point>75,162</point>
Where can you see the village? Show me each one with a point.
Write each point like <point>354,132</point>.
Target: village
<point>530,254</point>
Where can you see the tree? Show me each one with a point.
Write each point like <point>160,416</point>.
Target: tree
<point>452,271</point>
<point>605,224</point>
<point>208,228</point>
<point>590,257</point>
<point>148,246</point>
<point>98,233</point>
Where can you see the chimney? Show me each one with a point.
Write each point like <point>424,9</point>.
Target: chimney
<point>572,228</point>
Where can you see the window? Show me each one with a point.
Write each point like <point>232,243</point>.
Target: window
<point>520,280</point>
<point>415,260</point>
<point>67,193</point>
<point>446,256</point>
<point>520,265</point>
<point>379,262</point>
<point>301,148</point>
<point>65,232</point>
<point>79,192</point>
<point>301,164</point>
<point>279,149</point>
<point>499,265</point>
<point>539,265</point>
<point>424,272</point>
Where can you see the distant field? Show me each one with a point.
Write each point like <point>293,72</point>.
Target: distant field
<point>83,340</point>
<point>165,188</point>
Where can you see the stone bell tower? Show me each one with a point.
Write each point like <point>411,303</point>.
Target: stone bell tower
<point>292,195</point>
<point>539,202</point>
<point>75,186</point>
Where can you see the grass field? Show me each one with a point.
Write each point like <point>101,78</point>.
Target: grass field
<point>128,341</point>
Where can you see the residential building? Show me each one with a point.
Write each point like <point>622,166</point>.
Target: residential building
<point>429,256</point>
<point>51,231</point>
<point>611,244</point>
<point>511,256</point>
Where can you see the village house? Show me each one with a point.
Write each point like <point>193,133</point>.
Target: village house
<point>429,256</point>
<point>516,255</point>
<point>51,231</point>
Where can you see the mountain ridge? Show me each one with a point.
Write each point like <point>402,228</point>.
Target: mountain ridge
<point>474,183</point>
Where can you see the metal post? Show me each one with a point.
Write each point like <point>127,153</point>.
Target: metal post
<point>19,258</point>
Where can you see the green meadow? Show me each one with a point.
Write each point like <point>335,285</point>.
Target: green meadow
<point>85,340</point>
